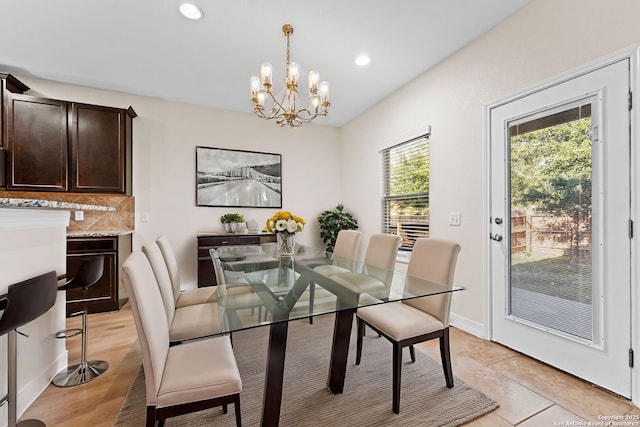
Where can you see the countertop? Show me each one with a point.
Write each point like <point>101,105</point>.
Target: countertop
<point>95,233</point>
<point>6,202</point>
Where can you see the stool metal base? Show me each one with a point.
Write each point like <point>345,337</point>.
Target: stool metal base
<point>80,373</point>
<point>68,333</point>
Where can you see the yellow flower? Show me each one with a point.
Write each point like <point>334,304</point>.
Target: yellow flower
<point>284,221</point>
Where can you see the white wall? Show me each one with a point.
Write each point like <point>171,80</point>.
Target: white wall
<point>544,39</point>
<point>165,136</point>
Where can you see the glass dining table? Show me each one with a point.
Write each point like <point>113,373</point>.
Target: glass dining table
<point>286,288</point>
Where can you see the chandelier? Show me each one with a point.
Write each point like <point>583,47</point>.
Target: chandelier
<point>284,107</point>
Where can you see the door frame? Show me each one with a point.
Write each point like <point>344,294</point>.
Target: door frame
<point>633,54</point>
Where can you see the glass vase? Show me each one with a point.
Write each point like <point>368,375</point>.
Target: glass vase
<point>285,243</point>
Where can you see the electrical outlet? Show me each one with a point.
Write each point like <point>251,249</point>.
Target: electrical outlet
<point>454,219</point>
<point>144,217</point>
<point>79,215</point>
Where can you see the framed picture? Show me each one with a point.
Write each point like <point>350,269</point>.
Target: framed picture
<point>237,178</point>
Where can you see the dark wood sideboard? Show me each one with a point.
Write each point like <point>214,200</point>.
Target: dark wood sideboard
<point>206,241</point>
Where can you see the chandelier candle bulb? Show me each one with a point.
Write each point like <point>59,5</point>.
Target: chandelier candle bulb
<point>293,75</point>
<point>255,87</point>
<point>314,78</point>
<point>265,72</point>
<point>324,94</point>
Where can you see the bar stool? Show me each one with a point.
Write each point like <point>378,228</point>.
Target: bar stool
<point>90,272</point>
<point>24,302</point>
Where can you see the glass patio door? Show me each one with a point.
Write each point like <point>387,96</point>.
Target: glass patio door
<point>560,211</point>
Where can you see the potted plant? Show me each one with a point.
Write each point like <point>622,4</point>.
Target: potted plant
<point>230,221</point>
<point>331,222</point>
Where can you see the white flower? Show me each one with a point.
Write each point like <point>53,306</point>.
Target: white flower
<point>292,226</point>
<point>300,226</point>
<point>281,225</point>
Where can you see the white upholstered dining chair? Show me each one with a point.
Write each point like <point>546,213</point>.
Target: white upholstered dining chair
<point>344,252</point>
<point>379,262</point>
<point>186,297</point>
<point>243,294</point>
<point>412,321</point>
<point>343,258</point>
<point>187,322</point>
<point>180,379</point>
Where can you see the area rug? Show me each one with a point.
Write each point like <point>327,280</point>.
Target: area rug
<point>306,401</point>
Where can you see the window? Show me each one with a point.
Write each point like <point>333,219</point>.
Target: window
<point>405,201</point>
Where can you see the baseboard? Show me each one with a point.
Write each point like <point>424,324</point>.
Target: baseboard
<point>467,325</point>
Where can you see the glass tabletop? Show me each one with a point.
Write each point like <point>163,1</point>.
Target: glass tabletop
<point>260,287</point>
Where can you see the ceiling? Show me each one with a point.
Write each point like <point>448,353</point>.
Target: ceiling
<point>147,47</point>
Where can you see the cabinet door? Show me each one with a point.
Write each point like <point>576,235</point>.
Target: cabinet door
<point>98,147</point>
<point>37,145</point>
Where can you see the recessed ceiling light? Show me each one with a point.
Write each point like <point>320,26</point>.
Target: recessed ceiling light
<point>191,11</point>
<point>363,60</point>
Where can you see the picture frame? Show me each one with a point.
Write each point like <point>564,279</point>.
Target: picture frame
<point>238,178</point>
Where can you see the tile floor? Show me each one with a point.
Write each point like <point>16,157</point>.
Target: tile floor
<point>530,393</point>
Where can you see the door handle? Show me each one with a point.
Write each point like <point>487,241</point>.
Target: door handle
<point>496,237</point>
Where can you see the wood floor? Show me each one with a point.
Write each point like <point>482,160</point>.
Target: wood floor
<point>530,393</point>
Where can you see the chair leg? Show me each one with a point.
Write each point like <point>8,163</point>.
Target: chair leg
<point>360,332</point>
<point>412,352</point>
<point>312,295</point>
<point>151,416</point>
<point>397,373</point>
<point>445,354</point>
<point>236,405</point>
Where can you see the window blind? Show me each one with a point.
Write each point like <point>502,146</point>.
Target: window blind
<point>405,201</point>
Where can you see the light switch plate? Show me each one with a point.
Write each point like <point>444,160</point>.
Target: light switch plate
<point>454,219</point>
<point>144,217</point>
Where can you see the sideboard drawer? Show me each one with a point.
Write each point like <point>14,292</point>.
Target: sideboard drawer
<point>219,241</point>
<point>249,240</point>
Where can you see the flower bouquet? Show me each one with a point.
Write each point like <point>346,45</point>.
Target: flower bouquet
<point>285,225</point>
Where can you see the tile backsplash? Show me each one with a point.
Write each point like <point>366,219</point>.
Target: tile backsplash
<point>120,218</point>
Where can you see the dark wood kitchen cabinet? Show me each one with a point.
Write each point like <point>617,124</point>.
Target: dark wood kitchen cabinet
<point>54,145</point>
<point>37,143</point>
<point>101,148</point>
<point>106,295</point>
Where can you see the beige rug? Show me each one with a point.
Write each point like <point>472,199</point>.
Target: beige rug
<point>306,401</point>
